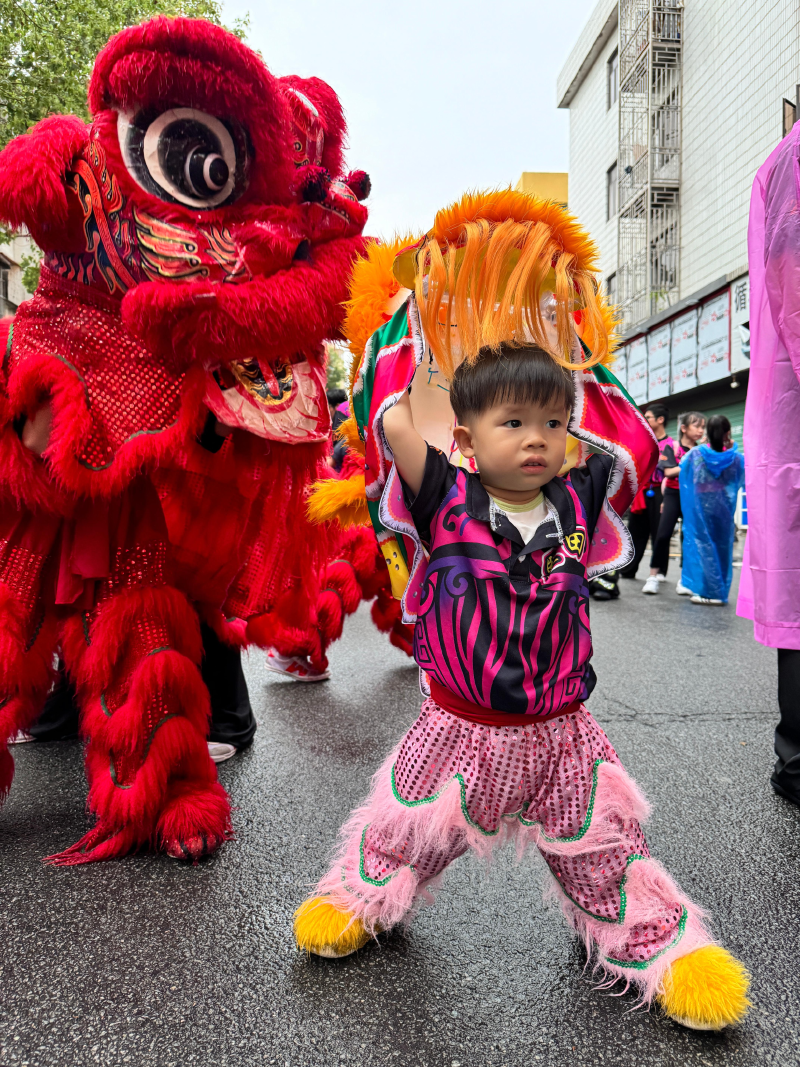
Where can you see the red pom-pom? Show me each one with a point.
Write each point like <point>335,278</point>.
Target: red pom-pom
<point>359,182</point>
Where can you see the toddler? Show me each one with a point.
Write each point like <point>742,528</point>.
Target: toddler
<point>504,745</point>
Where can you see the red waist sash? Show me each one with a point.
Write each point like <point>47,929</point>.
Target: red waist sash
<point>466,709</point>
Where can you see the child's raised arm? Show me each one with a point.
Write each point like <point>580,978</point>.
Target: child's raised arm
<point>409,449</point>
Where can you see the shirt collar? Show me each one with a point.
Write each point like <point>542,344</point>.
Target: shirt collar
<point>559,503</point>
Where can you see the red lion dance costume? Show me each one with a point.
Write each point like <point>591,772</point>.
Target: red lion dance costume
<point>197,252</point>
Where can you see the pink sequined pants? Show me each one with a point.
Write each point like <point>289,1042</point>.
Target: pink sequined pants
<point>452,785</point>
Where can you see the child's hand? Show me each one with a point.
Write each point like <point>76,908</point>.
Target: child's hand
<point>36,431</point>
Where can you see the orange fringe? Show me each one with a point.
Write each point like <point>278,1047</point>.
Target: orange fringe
<point>486,262</point>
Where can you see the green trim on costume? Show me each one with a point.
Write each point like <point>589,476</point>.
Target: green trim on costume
<point>435,796</point>
<point>149,742</point>
<point>103,704</point>
<point>637,966</point>
<point>161,648</point>
<point>587,820</point>
<point>7,356</point>
<point>605,377</point>
<point>86,637</point>
<point>365,877</point>
<point>623,899</point>
<point>113,772</point>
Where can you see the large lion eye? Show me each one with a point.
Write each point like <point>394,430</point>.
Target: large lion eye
<point>185,156</point>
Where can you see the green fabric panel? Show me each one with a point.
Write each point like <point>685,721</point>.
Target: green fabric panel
<point>390,333</point>
<point>603,374</point>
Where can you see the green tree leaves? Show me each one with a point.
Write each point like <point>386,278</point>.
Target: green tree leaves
<point>47,48</point>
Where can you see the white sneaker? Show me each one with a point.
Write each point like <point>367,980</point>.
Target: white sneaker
<point>708,601</point>
<point>20,737</point>
<point>295,667</point>
<point>661,578</point>
<point>681,590</point>
<point>219,751</point>
<point>651,585</point>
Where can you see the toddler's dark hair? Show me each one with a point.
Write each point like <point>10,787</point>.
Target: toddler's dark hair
<point>717,429</point>
<point>520,375</point>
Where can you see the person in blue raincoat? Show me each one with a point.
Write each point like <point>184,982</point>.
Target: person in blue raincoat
<point>710,478</point>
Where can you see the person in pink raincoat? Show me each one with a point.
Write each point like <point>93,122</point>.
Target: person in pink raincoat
<point>770,586</point>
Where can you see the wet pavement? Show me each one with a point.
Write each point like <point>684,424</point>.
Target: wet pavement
<point>149,962</point>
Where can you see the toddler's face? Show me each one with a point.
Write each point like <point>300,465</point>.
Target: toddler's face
<point>518,447</point>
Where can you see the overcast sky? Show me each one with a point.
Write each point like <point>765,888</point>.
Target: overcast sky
<point>440,97</point>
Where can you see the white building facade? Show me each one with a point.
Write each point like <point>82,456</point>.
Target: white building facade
<point>674,104</point>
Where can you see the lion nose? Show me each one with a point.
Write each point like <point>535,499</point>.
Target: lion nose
<point>264,248</point>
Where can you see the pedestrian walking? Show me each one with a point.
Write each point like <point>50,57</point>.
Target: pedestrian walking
<point>769,592</point>
<point>645,513</point>
<point>711,476</point>
<point>692,426</point>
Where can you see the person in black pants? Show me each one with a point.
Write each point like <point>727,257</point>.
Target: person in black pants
<point>232,721</point>
<point>786,776</point>
<point>692,428</point>
<point>643,522</point>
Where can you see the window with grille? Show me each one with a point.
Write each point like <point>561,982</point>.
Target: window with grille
<point>611,288</point>
<point>612,196</point>
<point>613,78</point>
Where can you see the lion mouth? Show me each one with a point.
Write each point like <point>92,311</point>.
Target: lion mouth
<point>267,393</point>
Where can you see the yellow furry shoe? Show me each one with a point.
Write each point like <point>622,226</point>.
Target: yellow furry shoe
<point>706,989</point>
<point>321,928</point>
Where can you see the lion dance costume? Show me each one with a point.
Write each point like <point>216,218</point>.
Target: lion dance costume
<point>504,746</point>
<point>198,240</point>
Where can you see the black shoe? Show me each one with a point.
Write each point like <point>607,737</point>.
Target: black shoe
<point>601,594</point>
<point>779,789</point>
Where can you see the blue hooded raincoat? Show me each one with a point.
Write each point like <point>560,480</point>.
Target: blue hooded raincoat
<point>709,483</point>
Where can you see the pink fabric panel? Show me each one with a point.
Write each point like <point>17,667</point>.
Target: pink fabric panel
<point>770,588</point>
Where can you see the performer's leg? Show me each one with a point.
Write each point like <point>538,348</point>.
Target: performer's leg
<point>666,527</point>
<point>232,719</point>
<point>636,923</point>
<point>59,719</point>
<point>144,709</point>
<point>639,529</point>
<point>786,776</point>
<point>450,786</point>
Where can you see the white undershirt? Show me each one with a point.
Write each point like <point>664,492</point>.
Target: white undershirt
<point>527,521</point>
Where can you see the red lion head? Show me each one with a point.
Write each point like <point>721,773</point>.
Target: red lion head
<point>207,198</point>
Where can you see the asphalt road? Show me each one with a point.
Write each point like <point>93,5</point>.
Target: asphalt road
<point>149,962</point>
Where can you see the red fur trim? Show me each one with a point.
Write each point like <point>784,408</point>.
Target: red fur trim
<point>165,680</point>
<point>330,615</point>
<point>6,772</point>
<point>195,811</point>
<point>402,637</point>
<point>327,104</point>
<point>154,63</point>
<point>32,190</point>
<point>177,750</point>
<point>294,310</point>
<point>101,843</point>
<point>359,182</point>
<point>115,619</point>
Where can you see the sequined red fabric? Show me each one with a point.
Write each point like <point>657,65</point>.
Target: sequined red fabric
<point>127,390</point>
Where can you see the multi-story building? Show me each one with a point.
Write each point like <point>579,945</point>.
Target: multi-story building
<point>12,289</point>
<point>674,104</point>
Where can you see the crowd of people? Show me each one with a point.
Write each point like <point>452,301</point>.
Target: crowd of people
<point>697,482</point>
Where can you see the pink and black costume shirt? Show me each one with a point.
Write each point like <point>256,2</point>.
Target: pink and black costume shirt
<point>501,624</point>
